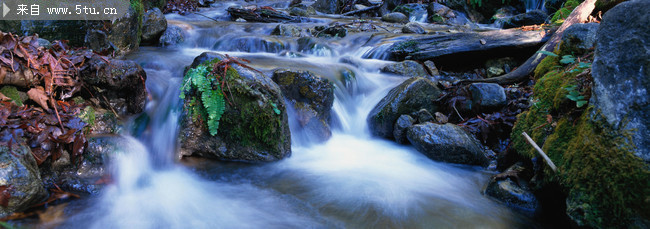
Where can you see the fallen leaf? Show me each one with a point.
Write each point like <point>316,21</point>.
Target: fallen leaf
<point>53,215</point>
<point>38,95</point>
<point>4,98</point>
<point>5,195</point>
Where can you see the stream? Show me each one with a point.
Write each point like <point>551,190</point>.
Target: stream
<point>353,180</point>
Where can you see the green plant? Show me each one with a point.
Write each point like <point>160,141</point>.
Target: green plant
<point>574,95</point>
<point>568,59</point>
<point>203,84</point>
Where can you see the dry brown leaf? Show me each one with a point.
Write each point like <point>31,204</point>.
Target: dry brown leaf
<point>38,95</point>
<point>5,195</point>
<point>53,215</point>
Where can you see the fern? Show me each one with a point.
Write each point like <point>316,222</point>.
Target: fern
<point>201,80</point>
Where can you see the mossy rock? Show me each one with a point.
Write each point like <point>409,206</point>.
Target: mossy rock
<point>606,184</point>
<point>254,126</point>
<point>16,96</point>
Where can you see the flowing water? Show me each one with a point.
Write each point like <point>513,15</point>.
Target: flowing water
<point>351,181</point>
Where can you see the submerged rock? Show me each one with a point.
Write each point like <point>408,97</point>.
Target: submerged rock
<point>408,68</point>
<point>154,25</point>
<point>312,98</point>
<point>254,126</point>
<point>412,95</point>
<point>510,187</point>
<point>20,180</point>
<point>621,72</point>
<point>413,27</point>
<point>287,30</point>
<point>447,143</point>
<point>173,35</point>
<point>395,17</point>
<point>413,11</point>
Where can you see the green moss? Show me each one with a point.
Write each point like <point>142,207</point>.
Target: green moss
<point>13,94</point>
<point>138,6</point>
<point>597,169</point>
<point>88,115</point>
<point>563,13</point>
<point>547,64</point>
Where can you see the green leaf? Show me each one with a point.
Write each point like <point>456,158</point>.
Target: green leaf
<point>584,65</point>
<point>275,108</point>
<point>567,59</point>
<point>581,103</point>
<point>547,53</point>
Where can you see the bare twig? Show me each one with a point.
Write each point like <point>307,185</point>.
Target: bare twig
<point>539,150</point>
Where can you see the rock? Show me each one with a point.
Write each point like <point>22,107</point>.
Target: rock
<point>431,67</point>
<point>97,40</point>
<point>44,43</point>
<point>510,187</point>
<point>125,32</point>
<point>413,27</point>
<point>251,43</point>
<point>439,13</point>
<point>329,6</point>
<point>331,31</point>
<point>154,25</point>
<point>487,96</point>
<point>20,179</point>
<point>441,118</point>
<point>311,45</point>
<point>287,30</point>
<point>534,17</point>
<point>395,17</point>
<point>413,11</point>
<point>497,67</point>
<point>173,35</point>
<point>401,125</point>
<point>302,10</point>
<point>122,82</point>
<point>388,6</point>
<point>254,128</point>
<point>407,68</point>
<point>205,3</point>
<point>424,116</point>
<point>621,69</point>
<point>446,143</point>
<point>579,38</point>
<point>312,98</point>
<point>504,13</point>
<point>17,97</point>
<point>410,96</point>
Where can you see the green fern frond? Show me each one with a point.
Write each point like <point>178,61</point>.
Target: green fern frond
<point>214,105</point>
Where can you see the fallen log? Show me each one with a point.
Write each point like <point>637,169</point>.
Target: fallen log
<point>439,46</point>
<point>578,15</point>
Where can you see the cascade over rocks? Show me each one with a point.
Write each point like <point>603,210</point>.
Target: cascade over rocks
<point>621,72</point>
<point>410,96</point>
<point>311,97</point>
<point>413,11</point>
<point>254,128</point>
<point>447,143</point>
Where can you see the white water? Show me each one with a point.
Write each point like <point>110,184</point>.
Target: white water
<point>351,181</point>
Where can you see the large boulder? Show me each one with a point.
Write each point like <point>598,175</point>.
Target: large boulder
<point>287,30</point>
<point>154,25</point>
<point>413,27</point>
<point>579,38</point>
<point>439,13</point>
<point>447,143</point>
<point>311,97</point>
<point>254,126</point>
<point>20,181</point>
<point>120,82</point>
<point>621,72</point>
<point>407,68</point>
<point>125,32</point>
<point>410,96</point>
